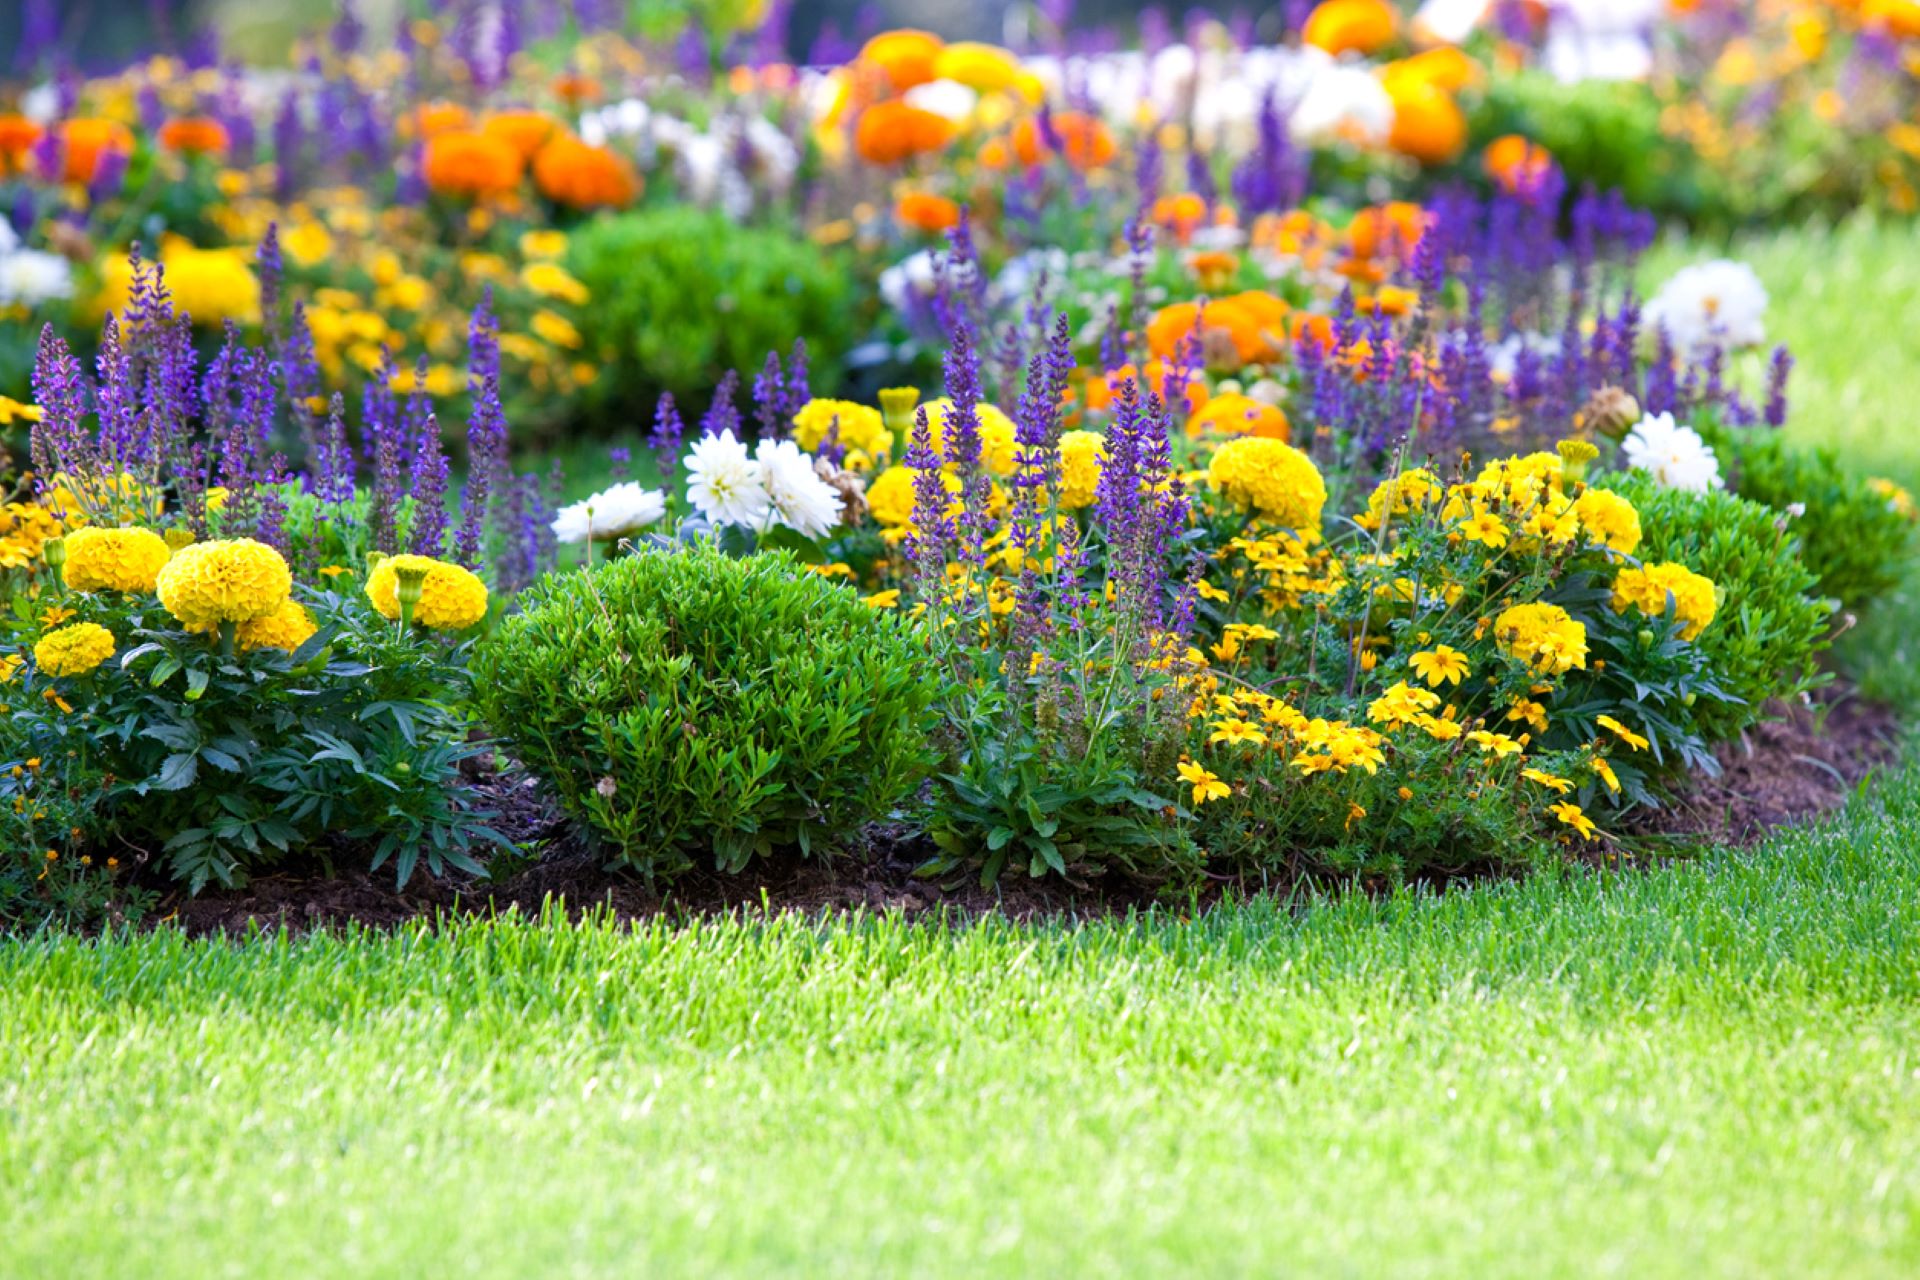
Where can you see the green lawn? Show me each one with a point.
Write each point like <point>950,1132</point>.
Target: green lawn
<point>1707,1071</point>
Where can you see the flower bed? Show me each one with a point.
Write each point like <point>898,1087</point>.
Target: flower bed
<point>1296,532</point>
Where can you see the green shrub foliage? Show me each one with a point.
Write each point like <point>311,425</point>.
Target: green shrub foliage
<point>1854,541</point>
<point>681,296</point>
<point>1771,623</point>
<point>681,700</point>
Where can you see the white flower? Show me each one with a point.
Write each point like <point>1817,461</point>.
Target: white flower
<point>1342,102</point>
<point>610,514</point>
<point>1712,304</point>
<point>1676,456</point>
<point>948,99</point>
<point>797,496</point>
<point>29,277</point>
<point>724,484</point>
<point>1449,21</point>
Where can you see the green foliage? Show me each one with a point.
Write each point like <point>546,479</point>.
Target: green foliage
<point>680,700</point>
<point>235,764</point>
<point>1601,131</point>
<point>681,296</point>
<point>1852,538</point>
<point>1770,624</point>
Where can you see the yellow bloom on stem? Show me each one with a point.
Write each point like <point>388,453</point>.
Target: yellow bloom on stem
<point>1621,732</point>
<point>887,599</point>
<point>1440,665</point>
<point>1653,587</point>
<point>1271,478</point>
<point>1552,782</point>
<point>1485,528</point>
<point>1235,732</point>
<point>109,559</point>
<point>1206,786</point>
<point>452,598</point>
<point>74,650</point>
<point>1573,816</point>
<point>1544,636</point>
<point>1498,745</point>
<point>227,580</point>
<point>1609,519</point>
<point>287,627</point>
<point>1600,766</point>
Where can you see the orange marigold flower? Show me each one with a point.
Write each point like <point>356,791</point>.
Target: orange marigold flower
<point>194,136</point>
<point>1182,214</point>
<point>1239,330</point>
<point>573,173</point>
<point>1514,162</point>
<point>1392,229</point>
<point>573,88</point>
<point>84,141</point>
<point>1084,140</point>
<point>925,211</point>
<point>17,136</point>
<point>461,162</point>
<point>1427,123</point>
<point>893,132</point>
<point>431,118</point>
<point>1351,26</point>
<point>524,131</point>
<point>1234,414</point>
<point>904,57</point>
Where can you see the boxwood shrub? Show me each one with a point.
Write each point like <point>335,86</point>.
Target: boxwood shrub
<point>680,701</point>
<point>1771,622</point>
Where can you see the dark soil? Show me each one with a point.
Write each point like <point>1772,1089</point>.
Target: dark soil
<point>1808,761</point>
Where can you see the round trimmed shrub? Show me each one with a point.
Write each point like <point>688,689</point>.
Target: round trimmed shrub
<point>681,700</point>
<point>681,296</point>
<point>1771,622</point>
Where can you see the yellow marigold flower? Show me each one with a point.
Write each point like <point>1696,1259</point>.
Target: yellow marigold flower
<point>211,285</point>
<point>228,580</point>
<point>543,244</point>
<point>1401,495</point>
<point>1620,731</point>
<point>1499,745</point>
<point>1440,665</point>
<point>555,328</point>
<point>1544,636</point>
<point>1609,520</point>
<point>1600,766</point>
<point>1651,587</point>
<point>1552,782</point>
<point>1206,786</point>
<point>104,559</point>
<point>12,411</point>
<point>890,496</point>
<point>1082,453</point>
<point>551,280</point>
<point>1573,816</point>
<point>10,665</point>
<point>888,599</point>
<point>1485,528</point>
<point>861,428</point>
<point>1439,728</point>
<point>1529,712</point>
<point>288,627</point>
<point>1235,732</point>
<point>1271,478</point>
<point>1401,704</point>
<point>451,597</point>
<point>74,650</point>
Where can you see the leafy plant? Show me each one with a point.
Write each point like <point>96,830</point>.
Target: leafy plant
<point>1771,623</point>
<point>712,297</point>
<point>680,700</point>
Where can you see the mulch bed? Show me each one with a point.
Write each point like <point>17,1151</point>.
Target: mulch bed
<point>1809,760</point>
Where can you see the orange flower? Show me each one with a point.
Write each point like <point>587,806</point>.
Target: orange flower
<point>893,132</point>
<point>1235,414</point>
<point>573,88</point>
<point>472,165</point>
<point>1181,214</point>
<point>1083,139</point>
<point>904,57</point>
<point>1393,229</point>
<point>194,136</point>
<point>570,172</point>
<point>1445,67</point>
<point>524,131</point>
<point>1514,162</point>
<point>1100,391</point>
<point>17,136</point>
<point>1237,331</point>
<point>84,141</point>
<point>1351,26</point>
<point>1427,123</point>
<point>1310,326</point>
<point>431,118</point>
<point>927,212</point>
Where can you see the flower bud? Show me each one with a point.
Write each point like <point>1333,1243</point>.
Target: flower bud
<point>54,551</point>
<point>1611,412</point>
<point>1645,637</point>
<point>1574,457</point>
<point>896,408</point>
<point>410,579</point>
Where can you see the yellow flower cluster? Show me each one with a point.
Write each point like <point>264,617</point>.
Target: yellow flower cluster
<point>211,285</point>
<point>452,598</point>
<point>1609,520</point>
<point>1081,456</point>
<point>24,528</point>
<point>862,431</point>
<point>1544,636</point>
<point>1400,495</point>
<point>73,650</point>
<point>1272,479</point>
<point>1651,587</point>
<point>229,580</point>
<point>125,560</point>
